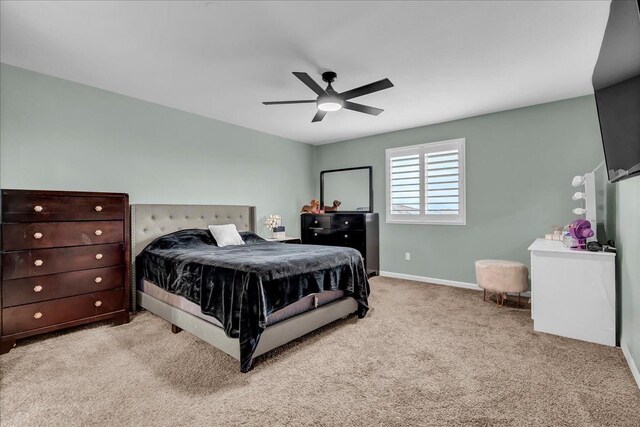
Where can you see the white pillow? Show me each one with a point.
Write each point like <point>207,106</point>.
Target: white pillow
<point>226,235</point>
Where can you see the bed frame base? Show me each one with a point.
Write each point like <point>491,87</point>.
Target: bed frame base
<point>274,336</point>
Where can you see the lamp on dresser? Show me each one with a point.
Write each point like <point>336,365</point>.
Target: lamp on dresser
<point>64,261</point>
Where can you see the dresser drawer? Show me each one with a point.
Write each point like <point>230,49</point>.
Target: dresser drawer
<point>320,236</point>
<point>350,238</point>
<point>53,286</point>
<point>316,221</point>
<point>347,222</point>
<point>27,207</point>
<point>39,262</point>
<point>42,314</point>
<point>59,234</point>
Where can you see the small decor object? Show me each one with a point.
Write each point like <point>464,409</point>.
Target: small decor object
<point>334,208</point>
<point>314,207</point>
<point>577,233</point>
<point>274,223</point>
<point>556,235</point>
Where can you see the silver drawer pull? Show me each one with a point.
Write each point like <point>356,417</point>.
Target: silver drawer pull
<point>315,234</point>
<point>98,208</point>
<point>38,262</point>
<point>346,236</point>
<point>98,279</point>
<point>37,208</point>
<point>37,288</point>
<point>98,232</point>
<point>315,222</point>
<point>346,222</point>
<point>37,315</point>
<point>98,256</point>
<point>37,235</point>
<point>98,303</point>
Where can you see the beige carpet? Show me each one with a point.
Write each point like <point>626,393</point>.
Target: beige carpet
<point>424,355</point>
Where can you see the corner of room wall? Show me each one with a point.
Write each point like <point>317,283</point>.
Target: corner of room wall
<point>627,238</point>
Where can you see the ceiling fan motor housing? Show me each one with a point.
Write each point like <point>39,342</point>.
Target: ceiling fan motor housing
<point>329,76</point>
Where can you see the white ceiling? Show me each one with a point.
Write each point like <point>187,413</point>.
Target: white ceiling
<point>448,60</point>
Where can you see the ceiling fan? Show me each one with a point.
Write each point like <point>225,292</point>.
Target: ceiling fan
<point>330,100</point>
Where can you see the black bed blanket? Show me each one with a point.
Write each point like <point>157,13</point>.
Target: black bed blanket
<point>242,285</point>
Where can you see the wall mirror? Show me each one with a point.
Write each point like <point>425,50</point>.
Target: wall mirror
<point>351,186</point>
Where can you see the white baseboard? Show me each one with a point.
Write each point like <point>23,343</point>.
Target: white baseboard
<point>631,362</point>
<point>431,280</point>
<point>435,281</point>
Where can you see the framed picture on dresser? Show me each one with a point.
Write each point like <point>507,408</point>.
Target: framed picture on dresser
<point>64,261</point>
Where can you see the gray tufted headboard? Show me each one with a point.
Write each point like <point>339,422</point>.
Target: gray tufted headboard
<point>149,222</point>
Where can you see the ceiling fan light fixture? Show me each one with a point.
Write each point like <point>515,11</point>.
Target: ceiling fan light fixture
<point>329,103</point>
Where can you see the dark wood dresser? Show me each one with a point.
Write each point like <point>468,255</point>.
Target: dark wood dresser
<point>354,230</point>
<point>64,261</point>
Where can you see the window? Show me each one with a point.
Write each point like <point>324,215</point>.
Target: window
<point>426,183</point>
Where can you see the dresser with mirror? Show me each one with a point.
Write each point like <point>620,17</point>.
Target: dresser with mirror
<point>353,224</point>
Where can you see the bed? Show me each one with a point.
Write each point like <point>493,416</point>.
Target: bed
<point>244,300</point>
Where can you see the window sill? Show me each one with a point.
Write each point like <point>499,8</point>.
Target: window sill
<point>423,222</point>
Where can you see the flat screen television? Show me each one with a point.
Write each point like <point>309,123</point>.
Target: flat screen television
<point>616,82</point>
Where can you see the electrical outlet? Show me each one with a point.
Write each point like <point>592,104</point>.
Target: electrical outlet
<point>407,256</point>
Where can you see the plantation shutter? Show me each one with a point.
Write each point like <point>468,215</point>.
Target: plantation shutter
<point>426,183</point>
<point>405,184</point>
<point>443,182</point>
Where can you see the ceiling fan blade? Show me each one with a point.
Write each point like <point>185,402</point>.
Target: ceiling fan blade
<point>319,116</point>
<point>362,108</point>
<point>367,89</point>
<point>288,102</point>
<point>306,79</point>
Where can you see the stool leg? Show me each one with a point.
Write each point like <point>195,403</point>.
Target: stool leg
<point>484,295</point>
<point>519,300</point>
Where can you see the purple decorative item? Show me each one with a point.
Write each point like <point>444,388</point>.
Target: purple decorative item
<point>580,230</point>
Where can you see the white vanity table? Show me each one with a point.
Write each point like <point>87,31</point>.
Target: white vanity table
<point>573,293</point>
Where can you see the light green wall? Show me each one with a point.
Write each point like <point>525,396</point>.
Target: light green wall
<point>627,235</point>
<point>519,169</point>
<point>56,134</point>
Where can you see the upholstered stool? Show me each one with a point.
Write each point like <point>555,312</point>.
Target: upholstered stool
<point>501,277</point>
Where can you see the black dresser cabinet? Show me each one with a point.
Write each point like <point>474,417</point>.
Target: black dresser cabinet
<point>354,230</point>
